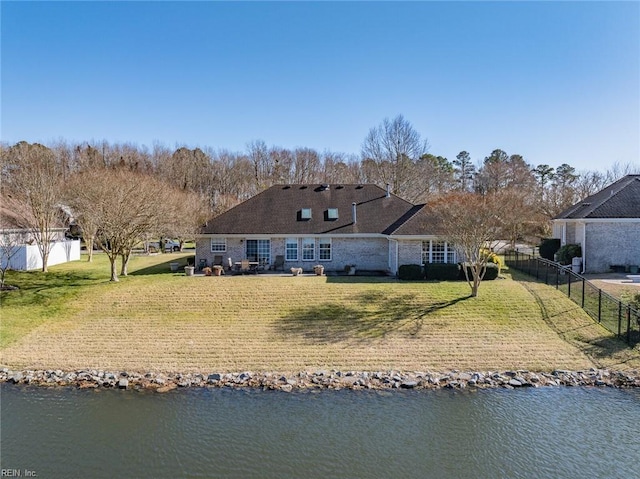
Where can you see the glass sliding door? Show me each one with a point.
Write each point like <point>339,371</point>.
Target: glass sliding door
<point>259,251</point>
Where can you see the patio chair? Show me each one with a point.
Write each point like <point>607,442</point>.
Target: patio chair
<point>278,263</point>
<point>244,266</point>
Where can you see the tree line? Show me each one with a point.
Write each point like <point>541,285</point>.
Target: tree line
<point>122,193</point>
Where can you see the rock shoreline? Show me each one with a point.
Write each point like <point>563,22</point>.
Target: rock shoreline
<point>321,379</point>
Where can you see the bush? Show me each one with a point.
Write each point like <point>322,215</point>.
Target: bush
<point>568,252</point>
<point>492,272</point>
<point>493,258</point>
<point>548,247</point>
<point>410,272</point>
<point>442,271</point>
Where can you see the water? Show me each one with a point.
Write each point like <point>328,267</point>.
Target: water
<point>532,433</point>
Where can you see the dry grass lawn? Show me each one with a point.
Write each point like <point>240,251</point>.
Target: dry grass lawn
<point>169,322</point>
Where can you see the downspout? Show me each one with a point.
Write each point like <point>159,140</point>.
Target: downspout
<point>584,248</point>
<point>395,270</point>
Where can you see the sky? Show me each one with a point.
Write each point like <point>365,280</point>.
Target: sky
<point>556,82</point>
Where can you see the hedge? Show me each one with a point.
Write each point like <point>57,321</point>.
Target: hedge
<point>410,272</point>
<point>548,247</point>
<point>491,273</point>
<point>442,271</point>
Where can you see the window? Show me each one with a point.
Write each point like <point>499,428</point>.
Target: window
<point>291,249</point>
<point>426,252</point>
<point>259,250</point>
<point>305,214</point>
<point>218,245</point>
<point>438,252</point>
<point>332,214</point>
<point>324,249</point>
<point>308,249</point>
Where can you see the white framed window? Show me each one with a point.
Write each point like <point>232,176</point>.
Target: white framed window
<point>291,249</point>
<point>324,249</point>
<point>438,252</point>
<point>308,249</point>
<point>218,245</point>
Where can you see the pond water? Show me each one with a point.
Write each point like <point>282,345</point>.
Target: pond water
<point>529,433</point>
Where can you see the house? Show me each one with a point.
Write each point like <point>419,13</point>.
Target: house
<point>606,225</point>
<point>331,225</point>
<point>23,250</point>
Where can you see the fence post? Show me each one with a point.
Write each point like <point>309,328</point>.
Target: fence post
<point>599,305</point>
<point>583,281</point>
<point>546,273</point>
<point>537,267</point>
<point>619,318</point>
<point>557,277</point>
<point>628,324</point>
<point>569,286</point>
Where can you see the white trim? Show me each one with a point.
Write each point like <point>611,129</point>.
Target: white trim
<point>597,220</point>
<point>316,235</point>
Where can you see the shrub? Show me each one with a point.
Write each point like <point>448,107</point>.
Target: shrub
<point>492,272</point>
<point>632,298</point>
<point>493,258</point>
<point>442,271</point>
<point>548,247</point>
<point>410,272</point>
<point>568,252</point>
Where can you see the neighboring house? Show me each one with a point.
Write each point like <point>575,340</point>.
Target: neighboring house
<point>332,225</point>
<point>28,257</point>
<point>606,225</point>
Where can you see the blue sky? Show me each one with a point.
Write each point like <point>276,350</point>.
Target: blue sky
<point>557,82</point>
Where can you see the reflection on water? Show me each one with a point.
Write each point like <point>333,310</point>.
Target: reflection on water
<point>533,433</point>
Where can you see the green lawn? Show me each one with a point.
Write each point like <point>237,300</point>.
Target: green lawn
<point>72,317</point>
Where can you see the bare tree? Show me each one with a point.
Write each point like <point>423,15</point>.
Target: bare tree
<point>394,147</point>
<point>124,204</point>
<point>473,224</point>
<point>34,179</point>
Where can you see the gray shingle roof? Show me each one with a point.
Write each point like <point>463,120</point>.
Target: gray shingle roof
<point>276,211</point>
<point>618,200</point>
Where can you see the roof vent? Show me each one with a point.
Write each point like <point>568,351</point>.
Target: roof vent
<point>303,187</point>
<point>359,187</point>
<point>339,187</point>
<point>325,187</point>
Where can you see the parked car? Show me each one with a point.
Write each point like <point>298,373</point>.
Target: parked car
<point>169,246</point>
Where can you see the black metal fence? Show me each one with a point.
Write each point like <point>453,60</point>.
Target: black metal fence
<point>615,315</point>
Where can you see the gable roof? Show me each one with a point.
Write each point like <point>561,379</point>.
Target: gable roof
<point>618,200</point>
<point>277,211</point>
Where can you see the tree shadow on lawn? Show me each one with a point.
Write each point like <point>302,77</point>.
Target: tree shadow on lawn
<point>371,316</point>
<point>163,268</point>
<point>38,288</point>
